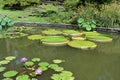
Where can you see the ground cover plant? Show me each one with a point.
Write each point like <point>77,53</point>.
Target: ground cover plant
<point>33,68</point>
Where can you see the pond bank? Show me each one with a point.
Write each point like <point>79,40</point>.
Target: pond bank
<point>62,25</point>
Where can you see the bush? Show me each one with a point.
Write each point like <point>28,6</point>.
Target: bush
<point>19,4</point>
<point>71,4</point>
<point>108,16</point>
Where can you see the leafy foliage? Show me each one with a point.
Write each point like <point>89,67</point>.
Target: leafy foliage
<point>5,22</point>
<point>87,24</point>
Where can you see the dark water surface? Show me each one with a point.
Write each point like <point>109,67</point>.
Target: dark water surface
<point>102,63</point>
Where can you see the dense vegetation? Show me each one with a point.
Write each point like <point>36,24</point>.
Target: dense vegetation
<point>105,13</point>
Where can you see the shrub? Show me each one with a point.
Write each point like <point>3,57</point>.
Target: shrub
<point>71,4</point>
<point>5,22</point>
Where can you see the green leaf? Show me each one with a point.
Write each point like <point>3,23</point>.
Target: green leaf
<point>4,62</point>
<point>10,58</point>
<point>10,74</point>
<point>93,25</point>
<point>36,59</point>
<point>44,64</point>
<point>7,79</point>
<point>57,61</point>
<point>29,63</point>
<point>43,68</point>
<point>88,28</point>
<point>0,27</point>
<point>80,20</point>
<point>23,77</point>
<point>2,69</point>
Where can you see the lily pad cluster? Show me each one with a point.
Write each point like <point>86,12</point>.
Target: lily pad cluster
<point>71,38</point>
<point>32,68</point>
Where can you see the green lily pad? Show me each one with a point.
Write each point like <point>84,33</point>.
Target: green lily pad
<point>51,32</point>
<point>57,61</point>
<point>10,74</point>
<point>2,69</point>
<point>44,64</point>
<point>78,38</point>
<point>4,62</point>
<point>82,44</point>
<point>7,79</point>
<point>91,33</point>
<point>71,33</point>
<point>29,63</point>
<point>55,40</point>
<point>43,68</point>
<point>35,37</point>
<point>99,38</point>
<point>56,67</point>
<point>10,58</point>
<point>23,77</point>
<point>36,59</point>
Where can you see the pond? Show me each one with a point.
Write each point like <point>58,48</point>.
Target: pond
<point>102,63</point>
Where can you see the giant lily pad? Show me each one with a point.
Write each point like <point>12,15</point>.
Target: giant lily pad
<point>82,44</point>
<point>35,37</point>
<point>99,38</point>
<point>71,33</point>
<point>10,74</point>
<point>51,32</point>
<point>78,38</point>
<point>55,40</point>
<point>91,33</point>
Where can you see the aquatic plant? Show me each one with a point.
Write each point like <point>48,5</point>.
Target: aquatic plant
<point>35,37</point>
<point>2,69</point>
<point>87,24</point>
<point>54,40</point>
<point>70,32</point>
<point>82,44</point>
<point>33,68</point>
<point>51,32</point>
<point>10,74</point>
<point>23,59</point>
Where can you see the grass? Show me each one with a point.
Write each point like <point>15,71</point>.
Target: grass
<point>14,14</point>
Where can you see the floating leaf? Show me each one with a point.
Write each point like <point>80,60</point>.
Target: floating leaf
<point>7,79</point>
<point>23,77</point>
<point>44,64</point>
<point>52,66</point>
<point>2,69</point>
<point>10,57</point>
<point>10,74</point>
<point>35,37</point>
<point>36,59</point>
<point>4,62</point>
<point>43,68</point>
<point>56,77</point>
<point>29,63</point>
<point>58,69</point>
<point>57,61</point>
<point>34,79</point>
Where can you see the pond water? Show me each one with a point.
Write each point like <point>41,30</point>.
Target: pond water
<point>102,63</point>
